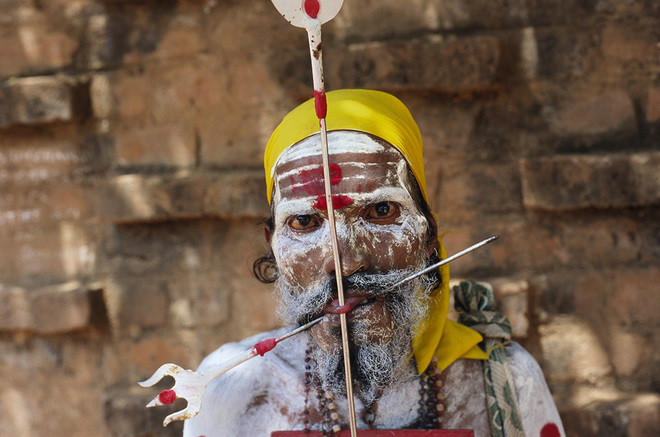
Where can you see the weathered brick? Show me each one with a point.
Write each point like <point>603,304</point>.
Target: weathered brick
<point>51,253</point>
<point>644,415</point>
<point>135,197</point>
<point>254,307</point>
<point>614,414</point>
<point>190,267</point>
<point>486,186</point>
<point>53,309</point>
<point>34,41</point>
<point>45,203</point>
<point>199,301</point>
<point>13,59</point>
<point>164,145</point>
<point>511,299</point>
<point>15,309</point>
<point>236,135</point>
<point>628,44</point>
<point>61,308</point>
<point>120,34</point>
<point>447,128</point>
<point>49,152</point>
<point>577,355</point>
<point>247,198</point>
<point>45,99</point>
<point>647,177</point>
<point>558,52</point>
<point>594,240</point>
<point>617,308</point>
<point>458,65</point>
<point>126,415</point>
<point>379,20</point>
<point>620,299</point>
<point>182,39</point>
<point>142,304</point>
<point>584,181</point>
<point>591,112</point>
<point>132,198</point>
<point>43,370</point>
<point>653,105</point>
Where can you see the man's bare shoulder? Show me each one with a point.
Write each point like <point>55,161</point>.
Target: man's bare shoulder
<point>254,397</point>
<point>536,406</point>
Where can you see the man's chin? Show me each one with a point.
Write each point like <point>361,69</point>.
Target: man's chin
<point>370,322</point>
<point>388,365</point>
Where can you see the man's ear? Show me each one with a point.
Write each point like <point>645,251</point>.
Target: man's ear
<point>268,233</point>
<point>432,243</point>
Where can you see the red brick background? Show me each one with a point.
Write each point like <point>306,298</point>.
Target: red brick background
<point>131,137</point>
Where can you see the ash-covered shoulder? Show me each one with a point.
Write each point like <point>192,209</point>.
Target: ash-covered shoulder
<point>536,406</point>
<point>254,398</point>
<point>522,362</point>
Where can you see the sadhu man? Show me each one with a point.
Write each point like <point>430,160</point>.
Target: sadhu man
<point>412,368</point>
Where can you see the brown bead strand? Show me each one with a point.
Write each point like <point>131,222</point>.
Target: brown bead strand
<point>308,388</point>
<point>431,402</point>
<point>430,411</point>
<point>327,407</point>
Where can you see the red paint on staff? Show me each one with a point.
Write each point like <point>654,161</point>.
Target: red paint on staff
<point>167,396</point>
<point>550,430</point>
<point>312,8</point>
<point>320,104</point>
<point>265,346</point>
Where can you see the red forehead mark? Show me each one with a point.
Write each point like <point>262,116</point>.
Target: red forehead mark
<point>550,430</point>
<point>312,8</point>
<point>338,202</point>
<point>311,181</point>
<point>167,396</point>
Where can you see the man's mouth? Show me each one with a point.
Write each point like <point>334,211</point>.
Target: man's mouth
<point>350,303</point>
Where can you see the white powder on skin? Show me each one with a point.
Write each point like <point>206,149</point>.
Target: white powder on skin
<point>360,236</point>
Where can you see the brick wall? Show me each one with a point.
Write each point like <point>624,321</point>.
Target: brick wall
<point>131,135</point>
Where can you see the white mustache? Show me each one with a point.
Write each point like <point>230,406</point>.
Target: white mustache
<point>300,306</point>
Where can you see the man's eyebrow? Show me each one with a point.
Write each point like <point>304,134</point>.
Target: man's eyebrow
<point>289,207</point>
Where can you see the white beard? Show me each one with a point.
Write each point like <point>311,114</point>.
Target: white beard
<point>374,366</point>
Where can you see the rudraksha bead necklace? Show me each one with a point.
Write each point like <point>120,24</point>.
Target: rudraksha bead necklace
<point>431,401</point>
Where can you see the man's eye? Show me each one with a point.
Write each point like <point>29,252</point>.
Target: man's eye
<point>383,211</point>
<point>304,222</point>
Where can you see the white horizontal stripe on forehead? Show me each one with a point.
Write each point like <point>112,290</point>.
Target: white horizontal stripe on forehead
<point>347,168</point>
<point>338,142</point>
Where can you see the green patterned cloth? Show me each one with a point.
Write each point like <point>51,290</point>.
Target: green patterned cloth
<point>474,303</point>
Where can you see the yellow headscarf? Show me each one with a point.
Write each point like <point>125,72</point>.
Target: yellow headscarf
<point>386,117</point>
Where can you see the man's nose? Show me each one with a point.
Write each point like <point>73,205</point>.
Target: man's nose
<point>353,258</point>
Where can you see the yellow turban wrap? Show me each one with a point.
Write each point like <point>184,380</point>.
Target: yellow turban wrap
<point>386,117</point>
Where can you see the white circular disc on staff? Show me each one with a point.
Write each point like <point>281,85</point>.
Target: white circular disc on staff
<point>294,10</point>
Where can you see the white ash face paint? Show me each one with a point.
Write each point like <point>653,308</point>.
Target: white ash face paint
<point>367,173</point>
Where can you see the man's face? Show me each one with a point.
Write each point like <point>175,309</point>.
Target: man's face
<point>382,236</point>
